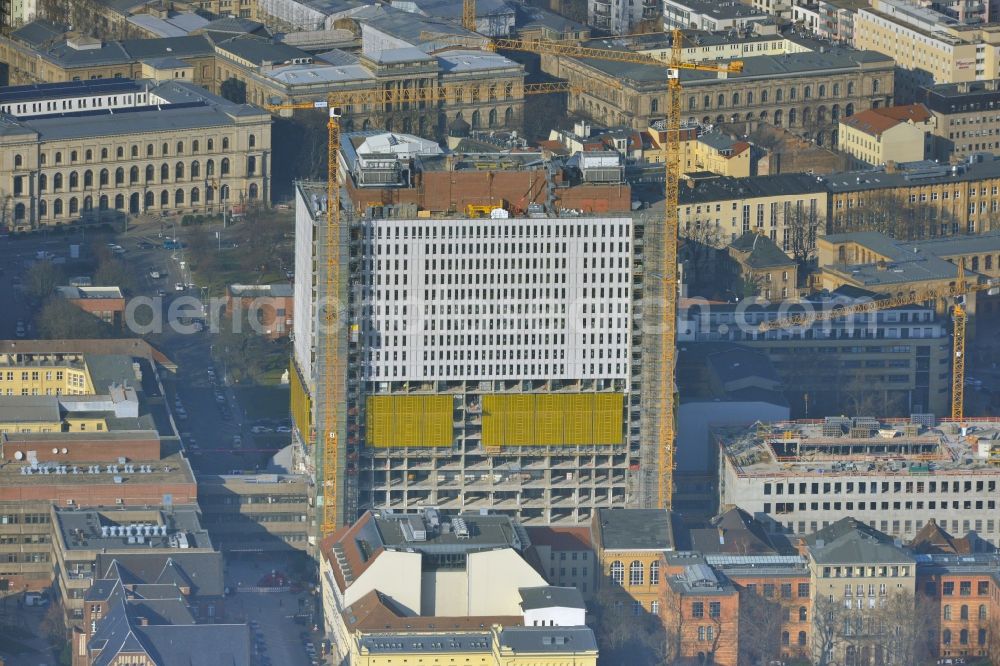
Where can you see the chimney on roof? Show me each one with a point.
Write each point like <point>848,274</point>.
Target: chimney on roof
<point>891,167</point>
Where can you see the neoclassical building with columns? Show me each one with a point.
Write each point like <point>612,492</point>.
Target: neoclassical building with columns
<point>82,150</point>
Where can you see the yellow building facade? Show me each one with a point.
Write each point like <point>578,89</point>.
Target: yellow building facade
<point>26,376</point>
<point>22,376</point>
<point>710,151</point>
<point>630,546</point>
<point>925,51</point>
<point>893,134</point>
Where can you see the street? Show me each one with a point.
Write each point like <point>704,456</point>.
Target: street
<point>209,423</point>
<point>271,615</point>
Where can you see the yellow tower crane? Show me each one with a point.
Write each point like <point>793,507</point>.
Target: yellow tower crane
<point>469,15</point>
<point>668,317</point>
<point>957,291</point>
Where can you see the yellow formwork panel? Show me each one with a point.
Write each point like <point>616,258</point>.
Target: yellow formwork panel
<point>580,419</point>
<point>520,430</point>
<point>552,419</point>
<point>409,420</point>
<point>300,402</point>
<point>608,418</point>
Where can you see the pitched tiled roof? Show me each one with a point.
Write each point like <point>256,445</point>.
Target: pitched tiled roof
<point>916,113</point>
<point>877,121</point>
<point>871,122</point>
<point>202,572</point>
<point>560,538</point>
<point>351,550</point>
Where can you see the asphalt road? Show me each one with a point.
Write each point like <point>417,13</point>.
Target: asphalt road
<point>191,351</point>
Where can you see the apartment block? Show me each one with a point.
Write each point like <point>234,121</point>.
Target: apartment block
<point>928,45</point>
<point>171,147</point>
<point>488,364</point>
<point>704,613</point>
<point>621,19</point>
<point>873,261</point>
<point>959,592</point>
<point>896,358</point>
<point>788,208</point>
<point>807,91</point>
<point>864,571</point>
<point>802,477</point>
<point>706,149</point>
<point>890,134</point>
<point>967,118</point>
<point>253,513</point>
<point>704,15</point>
<point>918,200</point>
<point>567,556</point>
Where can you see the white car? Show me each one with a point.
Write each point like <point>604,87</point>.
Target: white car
<point>237,441</point>
<point>179,286</point>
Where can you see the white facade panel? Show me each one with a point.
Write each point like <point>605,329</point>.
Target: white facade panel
<point>304,316</point>
<point>481,299</point>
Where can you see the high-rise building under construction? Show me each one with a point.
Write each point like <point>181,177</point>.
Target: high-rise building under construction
<point>487,362</point>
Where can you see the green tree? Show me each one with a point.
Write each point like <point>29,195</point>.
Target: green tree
<point>43,278</point>
<point>234,90</point>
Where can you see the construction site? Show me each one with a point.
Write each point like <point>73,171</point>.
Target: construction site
<point>894,474</point>
<point>491,361</point>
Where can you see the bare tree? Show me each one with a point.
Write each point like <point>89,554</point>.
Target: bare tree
<point>827,630</point>
<point>701,249</point>
<point>802,226</point>
<point>43,278</point>
<point>58,319</point>
<point>6,210</point>
<point>906,630</point>
<point>760,630</point>
<point>625,637</point>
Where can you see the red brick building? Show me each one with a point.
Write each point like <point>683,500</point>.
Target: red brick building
<point>105,303</point>
<point>957,591</point>
<point>700,612</point>
<point>270,307</point>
